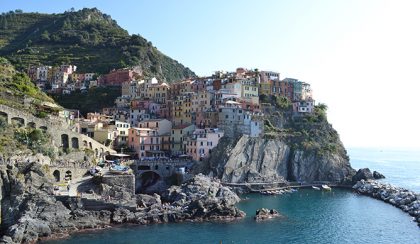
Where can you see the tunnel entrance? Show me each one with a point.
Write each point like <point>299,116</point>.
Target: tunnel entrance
<point>56,175</point>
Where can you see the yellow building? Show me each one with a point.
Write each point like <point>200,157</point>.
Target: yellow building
<point>158,92</point>
<point>178,136</point>
<point>182,108</point>
<point>249,88</point>
<point>201,101</point>
<point>265,88</point>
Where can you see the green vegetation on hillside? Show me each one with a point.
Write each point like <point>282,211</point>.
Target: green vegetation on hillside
<point>14,139</point>
<point>92,101</point>
<point>308,132</point>
<point>15,87</point>
<point>91,40</point>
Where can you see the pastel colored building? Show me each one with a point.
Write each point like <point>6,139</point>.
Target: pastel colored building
<point>117,77</point>
<point>178,135</point>
<point>234,120</point>
<point>162,126</point>
<point>306,106</point>
<point>146,142</point>
<point>266,76</point>
<point>201,143</point>
<point>150,138</point>
<point>122,132</point>
<point>249,88</point>
<point>181,109</point>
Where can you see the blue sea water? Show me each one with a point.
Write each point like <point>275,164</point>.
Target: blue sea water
<point>401,167</point>
<point>310,216</point>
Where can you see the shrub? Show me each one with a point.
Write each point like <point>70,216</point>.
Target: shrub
<point>283,103</point>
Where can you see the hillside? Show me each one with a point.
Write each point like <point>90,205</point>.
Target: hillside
<point>17,91</point>
<point>91,40</point>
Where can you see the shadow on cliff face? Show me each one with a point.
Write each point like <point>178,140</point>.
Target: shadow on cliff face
<point>148,182</point>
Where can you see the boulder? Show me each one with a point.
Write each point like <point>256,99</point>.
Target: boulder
<point>264,214</point>
<point>362,174</point>
<point>378,175</point>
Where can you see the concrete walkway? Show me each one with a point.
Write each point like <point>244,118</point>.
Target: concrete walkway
<point>74,185</point>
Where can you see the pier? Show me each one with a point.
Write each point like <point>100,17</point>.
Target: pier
<point>284,186</point>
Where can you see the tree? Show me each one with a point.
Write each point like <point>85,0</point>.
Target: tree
<point>322,106</point>
<point>45,36</point>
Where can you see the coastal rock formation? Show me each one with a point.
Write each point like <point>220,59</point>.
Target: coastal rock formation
<point>366,174</point>
<point>362,174</point>
<point>378,175</point>
<point>264,214</point>
<point>406,200</point>
<point>30,211</point>
<point>206,199</point>
<point>273,160</point>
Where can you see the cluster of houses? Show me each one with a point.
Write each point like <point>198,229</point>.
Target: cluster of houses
<point>64,79</point>
<point>189,117</point>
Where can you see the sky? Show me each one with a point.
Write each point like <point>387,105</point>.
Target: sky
<point>361,57</point>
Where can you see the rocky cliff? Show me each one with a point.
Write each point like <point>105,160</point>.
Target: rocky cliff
<point>269,160</point>
<point>303,148</point>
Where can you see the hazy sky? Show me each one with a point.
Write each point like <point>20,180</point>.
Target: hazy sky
<point>361,57</point>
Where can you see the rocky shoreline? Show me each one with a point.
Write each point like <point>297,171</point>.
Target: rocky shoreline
<point>31,212</point>
<point>406,200</point>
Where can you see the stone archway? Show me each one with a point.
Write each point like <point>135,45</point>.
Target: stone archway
<point>65,141</point>
<point>85,144</point>
<point>31,125</point>
<point>75,142</point>
<point>90,145</point>
<point>56,175</point>
<point>96,152</point>
<point>18,121</point>
<point>5,116</point>
<point>43,128</point>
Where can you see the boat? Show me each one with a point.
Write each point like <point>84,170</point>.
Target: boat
<point>326,188</point>
<point>118,169</point>
<point>316,188</point>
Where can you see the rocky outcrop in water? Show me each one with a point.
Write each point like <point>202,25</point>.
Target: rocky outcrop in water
<point>30,211</point>
<point>406,200</point>
<point>273,160</point>
<point>362,174</point>
<point>378,175</point>
<point>366,174</point>
<point>264,214</point>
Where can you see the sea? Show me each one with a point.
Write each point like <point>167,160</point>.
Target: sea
<point>309,216</point>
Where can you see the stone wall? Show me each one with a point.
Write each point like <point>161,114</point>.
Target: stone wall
<point>124,183</point>
<point>59,130</point>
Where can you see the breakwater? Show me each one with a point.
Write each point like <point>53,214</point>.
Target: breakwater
<point>406,200</point>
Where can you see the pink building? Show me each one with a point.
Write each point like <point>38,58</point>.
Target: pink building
<point>146,142</point>
<point>201,143</point>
